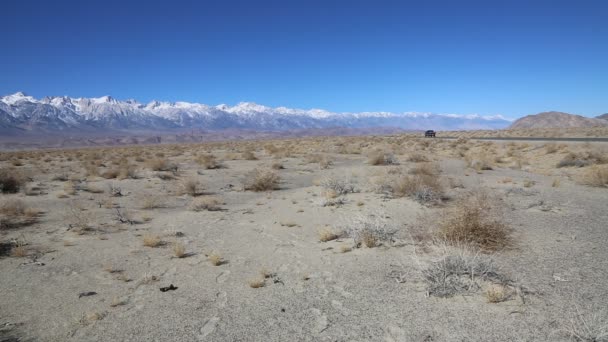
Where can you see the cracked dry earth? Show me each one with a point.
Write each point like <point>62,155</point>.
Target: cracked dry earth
<point>312,290</point>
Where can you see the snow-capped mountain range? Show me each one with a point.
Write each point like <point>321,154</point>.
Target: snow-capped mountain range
<point>22,113</point>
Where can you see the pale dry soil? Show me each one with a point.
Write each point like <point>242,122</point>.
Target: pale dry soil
<point>314,291</point>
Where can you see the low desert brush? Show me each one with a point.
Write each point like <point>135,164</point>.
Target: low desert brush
<point>476,220</point>
<point>179,250</point>
<point>381,158</point>
<point>14,213</point>
<point>209,161</point>
<point>326,234</point>
<point>192,187</point>
<point>262,180</point>
<point>596,176</point>
<point>11,181</point>
<point>215,259</point>
<point>210,203</point>
<point>152,240</point>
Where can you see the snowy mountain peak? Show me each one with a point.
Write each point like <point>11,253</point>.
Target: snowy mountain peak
<point>24,112</point>
<point>17,97</point>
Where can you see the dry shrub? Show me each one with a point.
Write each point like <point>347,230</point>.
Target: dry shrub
<point>480,162</point>
<point>110,174</point>
<point>429,169</point>
<point>192,187</point>
<point>551,148</point>
<point>426,189</point>
<point>460,271</point>
<point>596,176</point>
<point>584,158</point>
<point>588,325</point>
<point>497,293</point>
<point>324,161</point>
<point>179,250</point>
<point>257,283</point>
<point>14,213</point>
<point>262,180</point>
<point>326,234</point>
<point>152,240</point>
<point>215,259</point>
<point>249,155</point>
<point>417,158</point>
<point>476,220</point>
<point>277,166</point>
<point>126,170</point>
<point>11,181</point>
<point>209,161</point>
<point>370,230</point>
<point>153,201</point>
<point>79,219</point>
<point>381,158</point>
<point>209,203</point>
<point>161,164</point>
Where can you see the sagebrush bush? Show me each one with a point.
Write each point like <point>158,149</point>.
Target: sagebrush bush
<point>209,203</point>
<point>417,158</point>
<point>423,188</point>
<point>11,181</point>
<point>14,213</point>
<point>381,158</point>
<point>209,161</point>
<point>596,176</point>
<point>458,272</point>
<point>584,158</point>
<point>192,187</point>
<point>262,180</point>
<point>476,220</point>
<point>161,164</point>
<point>369,230</point>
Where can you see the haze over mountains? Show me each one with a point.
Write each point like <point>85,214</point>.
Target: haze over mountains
<point>20,113</point>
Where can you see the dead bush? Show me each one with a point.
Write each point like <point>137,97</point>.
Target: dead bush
<point>14,213</point>
<point>428,169</point>
<point>417,158</point>
<point>249,155</point>
<point>161,164</point>
<point>476,220</point>
<point>11,181</point>
<point>426,189</point>
<point>192,187</point>
<point>209,161</point>
<point>381,158</point>
<point>584,158</point>
<point>596,176</point>
<point>460,272</point>
<point>262,180</point>
<point>209,203</point>
<point>370,230</point>
<point>338,186</point>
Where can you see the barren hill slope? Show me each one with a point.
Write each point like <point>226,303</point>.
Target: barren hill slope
<point>556,120</point>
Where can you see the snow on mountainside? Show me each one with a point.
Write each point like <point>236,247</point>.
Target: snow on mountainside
<point>20,112</point>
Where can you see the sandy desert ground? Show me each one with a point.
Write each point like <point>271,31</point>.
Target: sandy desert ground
<point>377,238</point>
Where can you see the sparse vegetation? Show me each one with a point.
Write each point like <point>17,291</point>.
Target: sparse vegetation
<point>262,180</point>
<point>215,259</point>
<point>459,273</point>
<point>475,220</point>
<point>152,240</point>
<point>210,203</point>
<point>11,181</point>
<point>192,187</point>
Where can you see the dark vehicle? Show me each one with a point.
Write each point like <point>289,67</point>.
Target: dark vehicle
<point>429,133</point>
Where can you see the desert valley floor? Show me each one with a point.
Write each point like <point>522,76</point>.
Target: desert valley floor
<point>385,238</point>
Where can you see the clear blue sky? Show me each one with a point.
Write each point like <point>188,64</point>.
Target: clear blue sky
<point>506,57</point>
